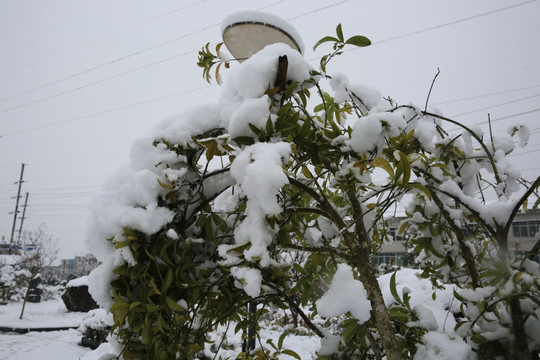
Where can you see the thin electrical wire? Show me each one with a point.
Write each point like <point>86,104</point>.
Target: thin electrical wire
<point>117,60</point>
<point>431,28</point>
<point>59,216</point>
<point>500,119</point>
<point>36,195</point>
<point>524,153</point>
<point>509,116</point>
<point>70,178</point>
<point>486,95</point>
<point>106,111</point>
<point>317,10</point>
<point>66,188</point>
<point>97,82</point>
<point>497,105</point>
<point>130,71</point>
<point>59,206</point>
<point>129,28</point>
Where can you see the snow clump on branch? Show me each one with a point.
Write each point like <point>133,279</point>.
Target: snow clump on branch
<point>128,199</point>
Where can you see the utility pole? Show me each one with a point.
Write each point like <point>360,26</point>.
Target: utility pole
<point>23,217</point>
<point>16,209</point>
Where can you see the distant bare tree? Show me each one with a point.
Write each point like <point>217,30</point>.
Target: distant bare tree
<point>39,250</point>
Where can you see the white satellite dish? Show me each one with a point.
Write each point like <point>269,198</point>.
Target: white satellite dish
<point>246,33</point>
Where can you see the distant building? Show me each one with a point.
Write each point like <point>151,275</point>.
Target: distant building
<point>71,268</point>
<point>4,249</point>
<point>524,234</point>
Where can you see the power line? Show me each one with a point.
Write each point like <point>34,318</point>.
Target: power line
<point>69,188</point>
<point>70,178</point>
<point>531,169</point>
<point>88,43</point>
<point>525,153</point>
<point>317,10</point>
<point>121,58</point>
<point>127,57</point>
<point>502,118</point>
<point>510,116</point>
<point>95,82</point>
<point>486,95</point>
<point>105,111</point>
<point>452,22</point>
<point>494,106</point>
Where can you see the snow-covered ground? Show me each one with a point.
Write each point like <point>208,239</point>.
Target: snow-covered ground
<point>57,345</point>
<point>60,345</point>
<point>63,345</point>
<point>47,345</point>
<point>39,315</point>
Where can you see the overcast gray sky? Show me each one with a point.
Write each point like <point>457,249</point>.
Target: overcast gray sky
<point>81,80</point>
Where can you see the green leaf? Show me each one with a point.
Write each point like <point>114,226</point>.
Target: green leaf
<point>393,288</point>
<point>459,297</point>
<point>255,129</point>
<point>217,73</point>
<point>421,188</point>
<point>318,108</point>
<point>244,140</point>
<point>358,40</point>
<point>339,33</point>
<point>398,313</point>
<point>271,343</point>
<point>291,353</point>
<point>536,204</point>
<point>383,164</point>
<point>335,128</point>
<point>173,305</point>
<point>269,126</point>
<point>121,244</point>
<point>147,335</point>
<point>350,329</point>
<point>323,40</point>
<point>290,89</point>
<point>168,280</point>
<point>300,269</point>
<point>403,227</point>
<point>280,341</point>
<point>479,339</point>
<point>304,129</point>
<point>163,185</point>
<point>406,168</point>
<point>324,61</point>
<point>162,324</point>
<point>306,172</point>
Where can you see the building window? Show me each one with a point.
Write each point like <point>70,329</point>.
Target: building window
<point>389,259</point>
<point>525,228</point>
<point>393,234</point>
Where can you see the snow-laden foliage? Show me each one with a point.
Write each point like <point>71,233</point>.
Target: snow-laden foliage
<point>214,205</point>
<point>12,281</point>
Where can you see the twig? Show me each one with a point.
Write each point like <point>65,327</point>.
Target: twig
<point>222,339</point>
<point>431,88</point>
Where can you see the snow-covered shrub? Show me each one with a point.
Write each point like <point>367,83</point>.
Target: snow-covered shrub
<point>51,292</point>
<point>8,283</point>
<point>95,327</point>
<point>13,279</point>
<point>196,226</point>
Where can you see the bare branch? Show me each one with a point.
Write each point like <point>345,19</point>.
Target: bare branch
<point>431,88</point>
